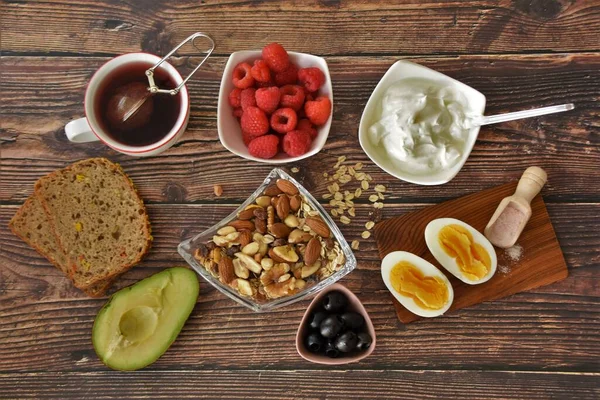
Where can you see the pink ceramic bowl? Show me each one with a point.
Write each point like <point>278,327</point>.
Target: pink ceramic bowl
<point>354,305</point>
<point>230,133</point>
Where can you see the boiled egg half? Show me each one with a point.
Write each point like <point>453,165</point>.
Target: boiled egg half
<point>461,249</point>
<point>417,284</point>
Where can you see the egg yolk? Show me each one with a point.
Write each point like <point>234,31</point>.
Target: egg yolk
<point>429,292</point>
<point>471,257</point>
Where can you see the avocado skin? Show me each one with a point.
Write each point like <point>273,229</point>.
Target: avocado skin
<point>184,295</point>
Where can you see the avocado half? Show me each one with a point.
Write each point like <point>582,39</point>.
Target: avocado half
<point>139,322</point>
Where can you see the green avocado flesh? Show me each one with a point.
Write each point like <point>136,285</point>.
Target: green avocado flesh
<point>139,322</point>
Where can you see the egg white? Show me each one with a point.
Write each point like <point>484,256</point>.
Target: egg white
<point>427,269</point>
<point>431,238</point>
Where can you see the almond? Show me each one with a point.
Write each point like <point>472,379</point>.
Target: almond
<point>287,187</point>
<point>313,251</point>
<point>246,214</point>
<point>245,238</point>
<point>280,230</point>
<point>295,203</point>
<point>283,207</point>
<point>226,270</point>
<point>318,226</point>
<point>240,225</point>
<point>272,190</point>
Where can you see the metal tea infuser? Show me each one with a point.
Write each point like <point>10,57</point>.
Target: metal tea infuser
<point>130,106</point>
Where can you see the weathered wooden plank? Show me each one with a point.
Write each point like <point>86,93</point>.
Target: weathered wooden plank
<point>366,27</point>
<point>39,97</point>
<point>287,384</point>
<point>46,324</point>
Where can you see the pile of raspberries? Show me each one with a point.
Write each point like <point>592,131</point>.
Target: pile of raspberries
<point>277,104</point>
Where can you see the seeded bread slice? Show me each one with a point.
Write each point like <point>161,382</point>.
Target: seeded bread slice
<point>31,225</point>
<point>97,217</point>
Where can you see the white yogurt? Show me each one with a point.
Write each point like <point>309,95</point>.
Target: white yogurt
<point>423,126</point>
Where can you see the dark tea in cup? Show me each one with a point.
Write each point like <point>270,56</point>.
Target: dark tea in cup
<point>160,111</point>
<point>137,104</point>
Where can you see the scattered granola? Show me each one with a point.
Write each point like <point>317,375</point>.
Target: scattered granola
<point>218,190</point>
<point>276,247</point>
<point>341,198</point>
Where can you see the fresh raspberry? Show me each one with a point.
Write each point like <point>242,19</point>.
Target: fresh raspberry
<point>247,98</point>
<point>234,98</point>
<point>267,99</point>
<point>287,77</point>
<point>284,120</point>
<point>264,146</point>
<point>292,96</point>
<point>276,57</point>
<point>254,121</point>
<point>304,125</point>
<point>242,77</point>
<point>264,84</point>
<point>260,71</point>
<point>237,112</point>
<point>318,110</point>
<point>311,78</point>
<point>309,96</point>
<point>296,143</point>
<point>247,138</point>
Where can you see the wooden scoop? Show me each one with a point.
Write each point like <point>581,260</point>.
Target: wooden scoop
<point>514,211</point>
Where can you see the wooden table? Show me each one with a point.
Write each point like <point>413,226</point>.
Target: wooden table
<point>520,54</point>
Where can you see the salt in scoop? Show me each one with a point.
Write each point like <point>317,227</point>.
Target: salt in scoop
<point>514,211</point>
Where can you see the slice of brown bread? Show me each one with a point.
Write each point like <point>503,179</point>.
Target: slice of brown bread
<point>97,217</point>
<point>31,225</point>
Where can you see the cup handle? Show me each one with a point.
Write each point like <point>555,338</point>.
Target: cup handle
<point>79,131</point>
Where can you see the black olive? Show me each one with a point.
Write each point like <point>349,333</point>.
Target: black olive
<point>346,342</point>
<point>334,301</point>
<point>316,319</point>
<point>353,320</point>
<point>364,341</point>
<point>330,350</point>
<point>331,326</point>
<point>315,342</point>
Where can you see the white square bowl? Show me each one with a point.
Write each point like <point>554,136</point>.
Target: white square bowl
<point>403,70</point>
<point>230,132</point>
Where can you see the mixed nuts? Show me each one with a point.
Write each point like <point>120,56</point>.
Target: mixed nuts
<point>277,246</point>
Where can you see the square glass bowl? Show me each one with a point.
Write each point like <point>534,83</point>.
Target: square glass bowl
<point>187,248</point>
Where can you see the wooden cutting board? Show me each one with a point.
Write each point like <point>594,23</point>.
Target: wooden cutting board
<point>541,261</point>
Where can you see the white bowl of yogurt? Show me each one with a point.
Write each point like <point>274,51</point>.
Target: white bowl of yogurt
<point>418,124</point>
